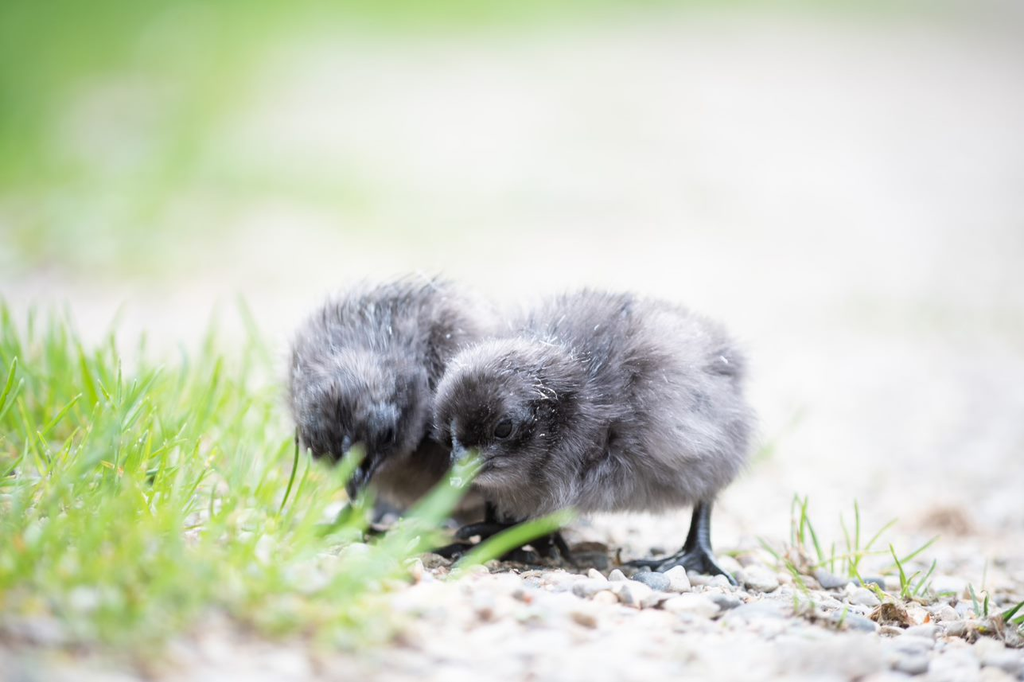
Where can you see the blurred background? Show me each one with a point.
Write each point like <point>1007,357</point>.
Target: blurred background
<point>841,183</point>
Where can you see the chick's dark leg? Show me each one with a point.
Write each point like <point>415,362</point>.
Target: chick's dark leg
<point>494,524</point>
<point>696,554</point>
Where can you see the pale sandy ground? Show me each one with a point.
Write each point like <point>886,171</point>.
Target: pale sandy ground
<point>846,194</point>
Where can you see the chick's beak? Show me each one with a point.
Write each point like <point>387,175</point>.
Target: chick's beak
<point>362,476</point>
<point>459,452</point>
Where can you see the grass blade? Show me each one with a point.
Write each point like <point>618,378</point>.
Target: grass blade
<point>920,549</point>
<point>1009,613</point>
<point>515,537</point>
<point>60,415</point>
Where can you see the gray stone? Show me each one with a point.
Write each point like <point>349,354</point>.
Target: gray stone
<point>945,613</point>
<point>617,575</point>
<point>726,602</point>
<point>854,622</point>
<point>678,582</point>
<point>654,580</point>
<point>589,587</point>
<point>756,577</point>
<point>874,580</point>
<point>830,581</point>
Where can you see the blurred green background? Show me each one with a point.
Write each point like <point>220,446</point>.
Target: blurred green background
<point>129,132</point>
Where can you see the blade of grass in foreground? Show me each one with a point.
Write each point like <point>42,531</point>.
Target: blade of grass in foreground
<point>515,537</point>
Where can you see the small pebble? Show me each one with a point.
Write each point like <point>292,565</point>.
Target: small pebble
<point>929,631</point>
<point>911,644</point>
<point>692,604</point>
<point>589,587</point>
<point>726,602</point>
<point>678,582</point>
<point>696,578</point>
<point>854,622</point>
<point>944,613</point>
<point>720,581</point>
<point>632,593</point>
<point>584,618</point>
<point>431,560</point>
<point>862,596</point>
<point>874,580</point>
<point>757,577</point>
<point>617,575</point>
<point>830,581</point>
<point>956,628</point>
<point>654,580</point>
<point>595,574</point>
<point>605,598</point>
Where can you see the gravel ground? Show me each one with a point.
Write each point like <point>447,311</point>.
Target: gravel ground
<point>846,195</point>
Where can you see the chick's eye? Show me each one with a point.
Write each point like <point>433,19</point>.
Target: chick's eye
<point>503,429</point>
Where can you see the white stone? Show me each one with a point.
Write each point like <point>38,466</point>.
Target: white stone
<point>757,577</point>
<point>632,593</point>
<point>862,596</point>
<point>694,604</point>
<point>678,582</point>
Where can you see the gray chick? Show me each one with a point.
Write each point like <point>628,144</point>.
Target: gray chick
<point>364,368</point>
<point>603,402</point>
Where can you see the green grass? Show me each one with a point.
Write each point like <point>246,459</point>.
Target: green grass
<point>806,553</point>
<point>135,497</point>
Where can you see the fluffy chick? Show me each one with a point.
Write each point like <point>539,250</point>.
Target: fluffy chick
<point>364,368</point>
<point>602,402</point>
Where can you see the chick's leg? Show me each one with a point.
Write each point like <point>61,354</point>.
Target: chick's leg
<point>696,554</point>
<point>492,525</point>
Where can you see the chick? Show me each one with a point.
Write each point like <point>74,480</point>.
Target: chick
<point>602,402</point>
<point>364,368</point>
